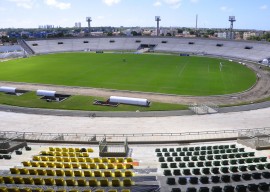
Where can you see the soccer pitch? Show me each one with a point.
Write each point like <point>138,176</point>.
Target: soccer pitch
<point>170,74</point>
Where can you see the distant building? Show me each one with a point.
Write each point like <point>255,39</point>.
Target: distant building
<point>78,25</point>
<point>46,26</point>
<point>225,35</point>
<point>249,34</point>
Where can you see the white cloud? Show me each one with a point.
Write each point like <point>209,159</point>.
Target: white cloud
<point>57,4</point>
<point>111,2</point>
<point>173,3</point>
<point>157,4</point>
<point>264,7</point>
<point>226,9</point>
<point>27,4</point>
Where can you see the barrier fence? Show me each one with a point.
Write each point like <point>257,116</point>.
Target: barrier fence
<point>146,138</point>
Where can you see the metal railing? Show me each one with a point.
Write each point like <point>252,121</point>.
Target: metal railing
<point>133,138</point>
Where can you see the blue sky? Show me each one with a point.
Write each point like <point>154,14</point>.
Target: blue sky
<point>250,14</point>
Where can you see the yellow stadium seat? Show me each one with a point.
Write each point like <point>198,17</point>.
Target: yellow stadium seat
<point>59,159</point>
<point>81,159</point>
<point>32,172</point>
<point>28,180</point>
<point>87,174</point>
<point>120,160</point>
<point>18,180</point>
<point>127,182</point>
<point>125,190</point>
<point>129,160</point>
<point>78,173</point>
<point>120,166</point>
<point>42,164</point>
<point>65,149</point>
<point>82,182</point>
<point>93,182</point>
<point>44,158</point>
<point>118,173</point>
<point>102,166</point>
<point>97,160</point>
<point>89,160</point>
<point>113,190</point>
<point>73,190</point>
<point>107,173</point>
<point>128,173</point>
<point>58,154</point>
<point>3,189</point>
<point>25,190</point>
<point>60,182</point>
<point>110,166</point>
<point>49,181</point>
<point>116,182</point>
<point>105,160</point>
<point>59,165</point>
<point>71,149</point>
<point>50,153</point>
<point>93,166</point>
<point>66,159</point>
<point>57,149</point>
<point>75,165</point>
<point>1,180</point>
<point>90,150</point>
<point>48,190</point>
<point>51,149</point>
<point>60,172</point>
<point>129,166</point>
<point>34,164</point>
<point>26,163</point>
<point>38,181</point>
<point>113,160</point>
<point>65,154</point>
<point>89,190</point>
<point>43,152</point>
<point>51,172</point>
<point>84,166</point>
<point>97,173</point>
<point>74,159</point>
<point>24,171</point>
<point>67,165</point>
<point>72,154</point>
<point>14,170</point>
<point>8,180</point>
<point>70,182</point>
<point>77,149</point>
<point>13,189</point>
<point>69,173</point>
<point>50,165</point>
<point>60,190</point>
<point>51,158</point>
<point>41,171</point>
<point>104,182</point>
<point>78,154</point>
<point>99,190</point>
<point>84,154</point>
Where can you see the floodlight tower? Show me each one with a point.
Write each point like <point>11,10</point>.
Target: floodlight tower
<point>232,20</point>
<point>88,20</point>
<point>158,19</point>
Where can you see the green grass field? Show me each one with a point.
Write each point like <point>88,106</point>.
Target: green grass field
<point>148,73</point>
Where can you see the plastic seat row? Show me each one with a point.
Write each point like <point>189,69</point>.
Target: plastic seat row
<point>227,188</point>
<point>71,172</point>
<point>71,149</point>
<point>93,182</point>
<point>213,170</point>
<point>77,165</point>
<point>64,154</point>
<point>238,157</point>
<point>197,148</point>
<point>83,159</point>
<point>214,158</point>
<point>217,179</point>
<point>192,164</point>
<point>17,189</point>
<point>203,153</point>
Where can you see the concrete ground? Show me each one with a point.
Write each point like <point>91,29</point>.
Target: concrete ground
<point>104,125</point>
